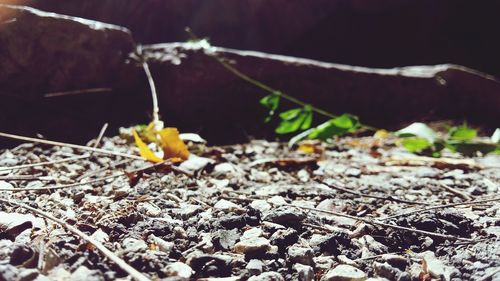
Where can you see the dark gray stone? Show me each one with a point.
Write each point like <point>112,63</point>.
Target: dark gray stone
<point>42,53</point>
<point>286,216</point>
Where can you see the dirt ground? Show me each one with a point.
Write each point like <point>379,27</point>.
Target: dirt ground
<point>357,209</point>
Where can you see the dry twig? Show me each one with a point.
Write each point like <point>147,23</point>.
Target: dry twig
<point>81,147</point>
<point>45,163</point>
<point>154,95</point>
<point>105,251</point>
<point>110,166</point>
<point>88,182</point>
<point>389,198</point>
<point>69,159</point>
<point>440,163</point>
<point>459,193</point>
<point>77,92</point>
<point>373,222</point>
<point>469,203</point>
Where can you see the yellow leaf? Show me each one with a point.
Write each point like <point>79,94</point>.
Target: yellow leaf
<point>173,146</point>
<point>149,133</point>
<point>306,148</point>
<point>144,150</point>
<point>381,134</point>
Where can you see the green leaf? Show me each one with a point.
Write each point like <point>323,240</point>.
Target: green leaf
<point>335,127</point>
<point>419,130</point>
<point>471,148</point>
<point>308,119</point>
<point>294,119</point>
<point>271,102</point>
<point>495,138</point>
<point>462,133</point>
<point>290,114</point>
<point>415,144</point>
<point>346,121</point>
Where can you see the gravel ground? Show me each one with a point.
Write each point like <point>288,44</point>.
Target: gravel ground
<point>361,209</point>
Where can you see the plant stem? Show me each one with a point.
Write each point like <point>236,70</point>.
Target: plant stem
<point>269,89</point>
<point>266,87</point>
<point>154,95</point>
<point>277,92</point>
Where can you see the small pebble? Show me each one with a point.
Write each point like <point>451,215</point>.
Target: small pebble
<point>255,267</point>
<point>267,276</point>
<point>179,269</point>
<point>299,254</point>
<point>344,272</point>
<point>305,272</point>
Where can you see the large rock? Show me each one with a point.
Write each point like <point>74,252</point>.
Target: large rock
<point>199,93</point>
<point>43,53</point>
<point>55,53</point>
<point>363,32</point>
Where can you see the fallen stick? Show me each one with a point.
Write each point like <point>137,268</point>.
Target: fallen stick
<point>389,198</point>
<point>112,165</point>
<point>99,137</point>
<point>459,193</point>
<point>373,222</point>
<point>439,163</point>
<point>22,178</point>
<point>80,157</point>
<point>105,251</point>
<point>69,159</point>
<point>89,182</point>
<point>440,207</point>
<point>489,275</point>
<point>81,147</point>
<point>77,92</point>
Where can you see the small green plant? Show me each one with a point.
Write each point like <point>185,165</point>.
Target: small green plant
<point>416,138</point>
<point>421,139</point>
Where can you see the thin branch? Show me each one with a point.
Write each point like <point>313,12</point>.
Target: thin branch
<point>489,275</point>
<point>440,163</point>
<point>79,157</point>
<point>88,182</point>
<point>77,92</point>
<point>109,166</point>
<point>376,256</point>
<point>99,137</point>
<point>459,193</point>
<point>373,222</point>
<point>22,178</point>
<point>389,198</point>
<point>267,88</point>
<point>258,83</point>
<point>62,186</point>
<point>105,251</point>
<point>69,159</point>
<point>125,173</point>
<point>154,95</point>
<point>469,203</point>
<point>81,147</point>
